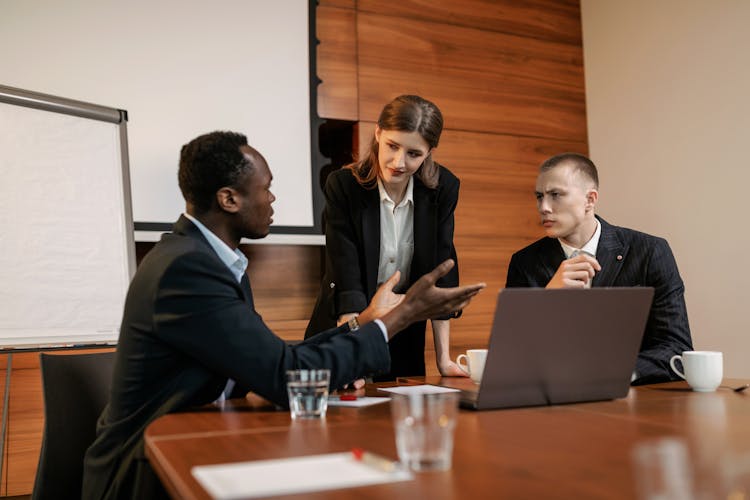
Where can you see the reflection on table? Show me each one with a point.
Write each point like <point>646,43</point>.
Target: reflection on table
<point>569,451</point>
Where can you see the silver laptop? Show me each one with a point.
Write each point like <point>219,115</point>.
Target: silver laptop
<point>559,346</point>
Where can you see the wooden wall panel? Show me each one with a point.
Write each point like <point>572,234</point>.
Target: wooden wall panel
<point>482,80</point>
<point>337,63</point>
<point>26,419</point>
<point>555,20</point>
<point>346,4</point>
<point>285,281</point>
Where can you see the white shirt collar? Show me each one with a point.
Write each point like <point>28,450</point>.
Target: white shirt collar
<point>235,260</point>
<point>590,247</point>
<point>408,196</point>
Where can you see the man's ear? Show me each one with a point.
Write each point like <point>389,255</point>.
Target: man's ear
<point>592,196</point>
<point>228,200</point>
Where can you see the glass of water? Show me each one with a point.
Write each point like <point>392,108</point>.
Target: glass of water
<point>425,424</point>
<point>308,392</point>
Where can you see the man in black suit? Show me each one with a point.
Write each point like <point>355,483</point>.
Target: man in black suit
<point>189,323</point>
<point>583,250</point>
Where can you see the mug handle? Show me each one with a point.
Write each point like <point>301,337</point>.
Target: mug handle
<point>674,368</point>
<point>464,367</point>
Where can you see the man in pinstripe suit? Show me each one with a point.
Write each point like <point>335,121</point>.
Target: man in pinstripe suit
<point>582,250</point>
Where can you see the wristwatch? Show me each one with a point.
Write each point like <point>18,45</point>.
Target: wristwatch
<point>353,324</point>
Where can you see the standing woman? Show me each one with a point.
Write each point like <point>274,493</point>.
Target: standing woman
<point>391,211</point>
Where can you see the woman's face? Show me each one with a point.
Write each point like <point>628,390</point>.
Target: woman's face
<point>400,154</point>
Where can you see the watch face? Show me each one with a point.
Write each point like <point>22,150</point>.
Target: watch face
<point>353,324</point>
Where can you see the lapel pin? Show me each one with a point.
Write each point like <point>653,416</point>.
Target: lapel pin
<point>619,257</point>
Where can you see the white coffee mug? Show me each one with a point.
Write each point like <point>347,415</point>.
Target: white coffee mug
<point>703,369</point>
<point>474,366</point>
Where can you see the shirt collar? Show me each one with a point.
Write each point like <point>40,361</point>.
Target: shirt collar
<point>235,260</point>
<point>408,196</point>
<point>590,247</point>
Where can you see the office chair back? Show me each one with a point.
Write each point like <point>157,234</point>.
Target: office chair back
<point>76,389</point>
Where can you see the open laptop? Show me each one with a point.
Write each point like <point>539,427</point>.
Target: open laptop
<point>559,346</point>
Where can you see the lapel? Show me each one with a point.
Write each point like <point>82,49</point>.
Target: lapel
<point>610,247</point>
<point>247,291</point>
<point>425,230</point>
<point>550,259</point>
<point>371,236</point>
<point>185,227</point>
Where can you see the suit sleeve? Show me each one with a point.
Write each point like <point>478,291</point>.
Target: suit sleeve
<point>667,329</point>
<point>200,312</point>
<point>343,249</point>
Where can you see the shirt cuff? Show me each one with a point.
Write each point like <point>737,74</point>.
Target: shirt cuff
<point>383,329</point>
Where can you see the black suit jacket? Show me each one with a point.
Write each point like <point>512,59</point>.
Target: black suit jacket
<point>187,327</point>
<point>352,220</point>
<point>628,258</point>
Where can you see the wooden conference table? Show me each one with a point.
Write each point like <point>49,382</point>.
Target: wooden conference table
<point>566,451</point>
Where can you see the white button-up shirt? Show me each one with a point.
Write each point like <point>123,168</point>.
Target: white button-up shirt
<point>396,234</point>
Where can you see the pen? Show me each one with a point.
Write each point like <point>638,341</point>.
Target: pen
<point>373,460</point>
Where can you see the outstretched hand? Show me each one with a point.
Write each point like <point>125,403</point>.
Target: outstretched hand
<point>424,300</point>
<point>384,300</point>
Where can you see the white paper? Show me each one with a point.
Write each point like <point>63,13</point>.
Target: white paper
<point>357,403</point>
<point>288,476</point>
<point>415,390</point>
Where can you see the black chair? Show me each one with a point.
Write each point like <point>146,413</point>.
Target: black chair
<point>76,389</point>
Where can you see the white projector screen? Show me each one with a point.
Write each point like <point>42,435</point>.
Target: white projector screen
<point>180,68</point>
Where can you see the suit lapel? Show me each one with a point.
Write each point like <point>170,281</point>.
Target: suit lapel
<point>185,227</point>
<point>611,253</point>
<point>550,259</point>
<point>371,237</point>
<point>247,291</point>
<point>425,231</point>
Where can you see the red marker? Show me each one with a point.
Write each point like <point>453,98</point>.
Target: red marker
<point>373,460</point>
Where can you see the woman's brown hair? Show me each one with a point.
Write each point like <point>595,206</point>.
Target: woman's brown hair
<point>406,113</point>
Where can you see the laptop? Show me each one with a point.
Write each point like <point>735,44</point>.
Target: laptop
<point>559,346</point>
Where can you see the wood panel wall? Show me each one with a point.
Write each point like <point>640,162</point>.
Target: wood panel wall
<point>508,77</point>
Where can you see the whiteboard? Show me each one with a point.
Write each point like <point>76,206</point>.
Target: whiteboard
<point>181,68</point>
<point>66,244</point>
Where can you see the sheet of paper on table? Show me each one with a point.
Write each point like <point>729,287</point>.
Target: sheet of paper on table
<point>288,476</point>
<point>356,403</point>
<point>418,389</point>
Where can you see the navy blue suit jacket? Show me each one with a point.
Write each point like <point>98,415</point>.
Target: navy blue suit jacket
<point>187,327</point>
<point>628,258</point>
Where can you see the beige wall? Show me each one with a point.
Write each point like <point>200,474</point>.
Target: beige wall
<point>668,104</point>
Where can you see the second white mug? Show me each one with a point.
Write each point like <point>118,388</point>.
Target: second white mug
<point>703,369</point>
<point>474,363</point>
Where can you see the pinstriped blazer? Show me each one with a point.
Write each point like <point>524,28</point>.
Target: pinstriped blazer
<point>628,258</point>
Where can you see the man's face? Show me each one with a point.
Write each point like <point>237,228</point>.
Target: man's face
<point>564,201</point>
<point>255,197</point>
